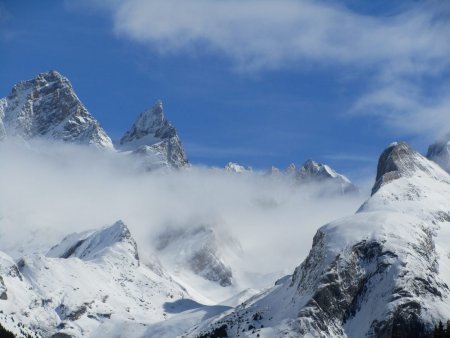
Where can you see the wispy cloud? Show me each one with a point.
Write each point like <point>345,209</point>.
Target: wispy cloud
<point>255,35</point>
<point>269,33</point>
<point>406,107</point>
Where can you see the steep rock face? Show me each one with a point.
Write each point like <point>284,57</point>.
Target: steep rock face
<point>152,135</point>
<point>88,283</point>
<point>199,250</point>
<point>47,107</point>
<point>382,272</point>
<point>439,152</point>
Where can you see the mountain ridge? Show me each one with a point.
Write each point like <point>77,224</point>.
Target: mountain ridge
<point>47,107</point>
<point>374,273</point>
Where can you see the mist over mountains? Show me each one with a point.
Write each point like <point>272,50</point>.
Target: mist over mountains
<point>127,238</point>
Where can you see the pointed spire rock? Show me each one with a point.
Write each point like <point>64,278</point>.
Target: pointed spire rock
<point>153,136</point>
<point>47,107</point>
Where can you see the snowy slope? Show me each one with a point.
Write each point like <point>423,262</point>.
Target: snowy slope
<point>86,284</point>
<point>381,272</point>
<point>154,138</point>
<point>47,107</point>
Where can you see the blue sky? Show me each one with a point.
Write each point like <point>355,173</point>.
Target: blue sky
<point>259,82</point>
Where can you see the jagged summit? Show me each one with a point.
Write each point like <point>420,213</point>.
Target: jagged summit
<point>153,134</point>
<point>439,152</point>
<point>47,107</point>
<point>150,127</point>
<point>312,171</point>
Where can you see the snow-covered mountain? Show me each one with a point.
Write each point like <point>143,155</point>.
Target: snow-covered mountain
<point>90,284</point>
<point>47,107</point>
<point>312,172</point>
<point>233,167</point>
<point>439,152</point>
<point>384,272</point>
<point>152,137</point>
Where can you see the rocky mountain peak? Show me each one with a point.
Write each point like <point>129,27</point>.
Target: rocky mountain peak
<point>153,135</point>
<point>47,107</point>
<point>311,169</point>
<point>150,127</point>
<point>398,160</point>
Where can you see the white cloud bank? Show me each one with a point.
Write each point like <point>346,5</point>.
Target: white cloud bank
<point>60,189</point>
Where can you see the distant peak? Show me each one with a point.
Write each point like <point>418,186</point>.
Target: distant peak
<point>150,127</point>
<point>311,164</point>
<point>291,169</point>
<point>313,168</point>
<point>237,168</point>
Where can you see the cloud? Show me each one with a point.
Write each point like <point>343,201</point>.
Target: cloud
<point>409,46</point>
<point>272,33</point>
<point>52,190</point>
<point>407,108</point>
